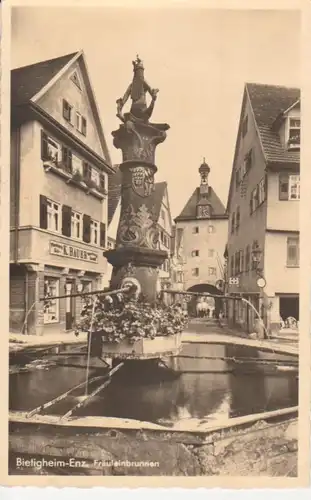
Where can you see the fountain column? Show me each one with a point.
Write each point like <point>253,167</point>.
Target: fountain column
<point>137,257</point>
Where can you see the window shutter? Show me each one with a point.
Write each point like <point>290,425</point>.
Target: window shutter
<point>69,161</point>
<point>66,110</point>
<point>43,212</point>
<point>86,170</point>
<point>86,228</point>
<point>103,234</point>
<point>102,182</point>
<point>283,186</point>
<point>266,187</point>
<point>83,125</point>
<point>66,220</point>
<point>44,146</point>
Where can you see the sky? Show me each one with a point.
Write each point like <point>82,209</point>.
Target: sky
<point>199,59</point>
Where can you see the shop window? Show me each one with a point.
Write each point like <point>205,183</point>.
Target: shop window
<point>289,187</point>
<point>51,306</point>
<point>53,216</point>
<point>195,271</point>
<point>76,222</point>
<point>293,252</point>
<point>94,232</point>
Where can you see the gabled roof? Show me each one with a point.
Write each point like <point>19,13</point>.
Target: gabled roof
<point>268,102</point>
<point>189,212</point>
<point>29,83</point>
<point>114,194</point>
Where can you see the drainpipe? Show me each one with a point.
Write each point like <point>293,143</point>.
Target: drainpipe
<point>17,194</point>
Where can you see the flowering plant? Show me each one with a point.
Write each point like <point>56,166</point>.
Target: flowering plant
<point>117,318</point>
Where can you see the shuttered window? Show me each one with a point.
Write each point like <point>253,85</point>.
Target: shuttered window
<point>67,111</point>
<point>83,126</point>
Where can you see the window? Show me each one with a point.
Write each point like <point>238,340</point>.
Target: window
<point>247,258</point>
<point>83,126</point>
<point>67,159</point>
<point>262,191</point>
<point>245,126</point>
<point>53,216</point>
<point>294,187</point>
<point>195,271</point>
<point>238,218</point>
<point>210,252</point>
<point>195,253</point>
<point>237,177</point>
<point>237,262</point>
<point>293,133</point>
<point>195,230</point>
<point>95,176</point>
<point>289,187</point>
<point>233,223</point>
<point>67,111</point>
<point>248,160</point>
<point>293,251</point>
<point>241,266</point>
<point>77,165</point>
<point>180,277</point>
<point>211,229</point>
<point>51,306</point>
<point>76,221</point>
<point>212,271</point>
<point>50,149</point>
<point>232,265</point>
<point>254,199</point>
<point>80,123</point>
<point>94,232</point>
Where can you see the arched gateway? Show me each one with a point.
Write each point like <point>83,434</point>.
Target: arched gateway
<point>215,305</point>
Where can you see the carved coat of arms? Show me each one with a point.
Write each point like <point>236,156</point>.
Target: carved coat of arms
<point>142,181</point>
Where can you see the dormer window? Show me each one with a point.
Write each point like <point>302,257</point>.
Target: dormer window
<point>293,141</point>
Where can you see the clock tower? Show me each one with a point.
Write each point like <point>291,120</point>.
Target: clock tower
<point>204,207</point>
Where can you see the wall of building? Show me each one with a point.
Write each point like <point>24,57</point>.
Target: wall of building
<point>165,227</point>
<point>279,277</point>
<point>281,214</point>
<point>52,103</point>
<point>252,226</point>
<point>203,241</point>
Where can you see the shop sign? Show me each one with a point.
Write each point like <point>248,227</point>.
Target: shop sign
<point>73,252</point>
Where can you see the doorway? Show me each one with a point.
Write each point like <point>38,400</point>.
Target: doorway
<point>289,307</point>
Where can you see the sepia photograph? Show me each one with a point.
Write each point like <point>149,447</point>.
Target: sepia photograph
<point>154,267</point>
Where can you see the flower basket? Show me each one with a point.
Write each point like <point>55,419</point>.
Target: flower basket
<point>127,327</point>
